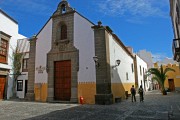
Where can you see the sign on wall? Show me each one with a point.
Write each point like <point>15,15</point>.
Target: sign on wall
<point>40,69</point>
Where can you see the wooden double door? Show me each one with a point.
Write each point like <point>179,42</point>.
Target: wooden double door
<point>62,80</point>
<point>2,86</point>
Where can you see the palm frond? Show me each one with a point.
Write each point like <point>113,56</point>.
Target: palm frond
<point>160,75</point>
<point>168,69</point>
<point>157,79</point>
<point>154,71</point>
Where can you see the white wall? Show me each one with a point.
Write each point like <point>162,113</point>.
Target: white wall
<point>84,41</point>
<point>143,65</point>
<point>118,74</point>
<point>11,28</point>
<point>23,77</point>
<point>23,47</point>
<point>43,46</point>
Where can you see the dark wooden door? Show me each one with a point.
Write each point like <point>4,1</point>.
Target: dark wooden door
<point>2,86</point>
<point>62,81</point>
<point>171,84</point>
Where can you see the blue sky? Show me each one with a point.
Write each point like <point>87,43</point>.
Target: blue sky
<point>141,24</point>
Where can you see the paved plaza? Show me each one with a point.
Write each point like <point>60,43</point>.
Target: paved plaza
<point>155,107</point>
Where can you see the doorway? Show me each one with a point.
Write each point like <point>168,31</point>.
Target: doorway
<point>62,80</point>
<point>171,84</point>
<point>2,86</point>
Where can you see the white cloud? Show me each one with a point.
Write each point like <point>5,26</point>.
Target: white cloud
<point>158,57</point>
<point>142,8</point>
<point>38,7</point>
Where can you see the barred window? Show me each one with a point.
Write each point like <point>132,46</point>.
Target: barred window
<point>19,85</point>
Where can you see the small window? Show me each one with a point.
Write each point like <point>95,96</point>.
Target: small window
<point>140,70</point>
<point>132,67</point>
<point>127,76</point>
<point>63,32</point>
<point>25,65</point>
<point>20,85</point>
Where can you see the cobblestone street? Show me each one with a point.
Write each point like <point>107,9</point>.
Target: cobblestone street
<point>155,107</point>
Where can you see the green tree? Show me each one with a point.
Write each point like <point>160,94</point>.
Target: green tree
<point>17,59</point>
<point>160,76</point>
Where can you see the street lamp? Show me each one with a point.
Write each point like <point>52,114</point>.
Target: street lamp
<point>117,63</point>
<point>95,58</point>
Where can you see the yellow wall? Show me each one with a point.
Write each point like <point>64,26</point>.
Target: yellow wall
<point>87,90</point>
<point>118,89</point>
<point>40,91</point>
<point>171,75</point>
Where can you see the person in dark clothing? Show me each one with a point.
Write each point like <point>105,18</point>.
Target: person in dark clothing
<point>133,93</point>
<point>141,93</point>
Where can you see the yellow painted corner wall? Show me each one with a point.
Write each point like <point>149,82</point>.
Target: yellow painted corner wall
<point>118,89</point>
<point>40,92</point>
<point>172,75</point>
<point>87,90</point>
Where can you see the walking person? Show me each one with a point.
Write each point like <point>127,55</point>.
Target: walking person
<point>133,93</point>
<point>141,93</point>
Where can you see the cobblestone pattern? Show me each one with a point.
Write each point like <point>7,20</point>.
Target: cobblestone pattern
<point>155,107</point>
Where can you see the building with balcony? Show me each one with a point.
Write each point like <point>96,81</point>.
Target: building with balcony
<point>9,33</point>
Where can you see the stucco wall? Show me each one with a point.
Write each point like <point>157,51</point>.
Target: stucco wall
<point>84,41</point>
<point>141,74</point>
<point>43,46</point>
<point>11,28</point>
<point>23,77</point>
<point>173,75</point>
<point>120,83</point>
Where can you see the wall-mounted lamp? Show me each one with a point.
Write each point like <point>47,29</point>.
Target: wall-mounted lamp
<point>95,58</point>
<point>117,63</point>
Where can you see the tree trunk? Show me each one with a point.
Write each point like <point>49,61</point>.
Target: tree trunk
<point>14,95</point>
<point>163,90</point>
